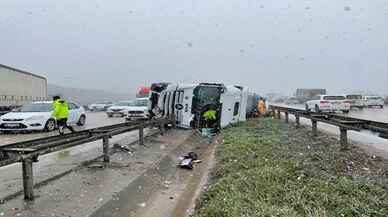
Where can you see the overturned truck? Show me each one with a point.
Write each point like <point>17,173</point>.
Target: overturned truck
<point>186,103</point>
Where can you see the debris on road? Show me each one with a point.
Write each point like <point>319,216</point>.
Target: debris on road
<point>188,160</point>
<point>142,205</point>
<point>96,165</point>
<point>208,133</point>
<point>124,148</point>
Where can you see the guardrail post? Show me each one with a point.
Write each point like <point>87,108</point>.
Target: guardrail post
<point>278,116</point>
<point>105,147</point>
<point>28,179</point>
<point>141,135</point>
<point>286,116</point>
<point>314,124</point>
<point>161,127</point>
<point>297,120</point>
<point>344,138</point>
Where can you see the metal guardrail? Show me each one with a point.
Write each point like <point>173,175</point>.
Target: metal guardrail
<point>28,152</point>
<point>344,123</point>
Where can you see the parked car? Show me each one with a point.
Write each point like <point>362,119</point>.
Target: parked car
<point>119,109</point>
<point>138,109</point>
<point>328,103</point>
<point>356,101</point>
<point>374,101</point>
<point>37,116</point>
<point>100,106</point>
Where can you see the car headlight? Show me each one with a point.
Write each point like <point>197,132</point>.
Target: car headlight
<point>34,118</point>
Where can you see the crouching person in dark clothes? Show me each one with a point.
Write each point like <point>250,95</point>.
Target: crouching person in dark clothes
<point>61,114</point>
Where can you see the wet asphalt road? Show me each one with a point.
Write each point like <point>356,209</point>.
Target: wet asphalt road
<point>93,120</point>
<point>374,114</point>
<point>56,163</point>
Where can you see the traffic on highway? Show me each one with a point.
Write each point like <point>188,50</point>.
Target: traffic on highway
<point>194,108</point>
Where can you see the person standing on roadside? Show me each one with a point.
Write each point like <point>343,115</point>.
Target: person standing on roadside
<point>61,114</point>
<point>261,107</point>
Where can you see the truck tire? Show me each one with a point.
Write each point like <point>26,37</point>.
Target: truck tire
<point>50,125</point>
<point>82,121</point>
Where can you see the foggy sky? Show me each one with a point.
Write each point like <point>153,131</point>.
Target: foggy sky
<point>267,45</point>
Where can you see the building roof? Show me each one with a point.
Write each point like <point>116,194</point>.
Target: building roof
<point>21,71</point>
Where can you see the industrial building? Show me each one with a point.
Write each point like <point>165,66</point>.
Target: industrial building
<point>18,87</point>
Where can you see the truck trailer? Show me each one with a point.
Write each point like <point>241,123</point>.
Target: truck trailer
<point>18,87</point>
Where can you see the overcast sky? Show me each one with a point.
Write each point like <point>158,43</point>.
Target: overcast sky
<point>265,44</point>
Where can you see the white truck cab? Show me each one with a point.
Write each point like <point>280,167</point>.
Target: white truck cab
<point>186,103</point>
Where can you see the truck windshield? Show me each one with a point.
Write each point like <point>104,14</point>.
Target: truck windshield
<point>37,107</point>
<point>333,97</point>
<point>204,96</point>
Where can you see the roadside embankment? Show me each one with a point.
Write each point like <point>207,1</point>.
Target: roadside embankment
<point>265,167</point>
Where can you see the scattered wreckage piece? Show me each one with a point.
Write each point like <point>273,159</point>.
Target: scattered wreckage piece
<point>188,160</point>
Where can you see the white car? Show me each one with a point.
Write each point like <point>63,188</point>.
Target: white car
<point>138,109</point>
<point>37,116</point>
<point>100,106</point>
<point>374,101</point>
<point>356,100</point>
<point>328,103</point>
<point>120,109</point>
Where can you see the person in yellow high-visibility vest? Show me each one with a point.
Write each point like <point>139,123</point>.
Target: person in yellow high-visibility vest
<point>61,114</point>
<point>210,117</point>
